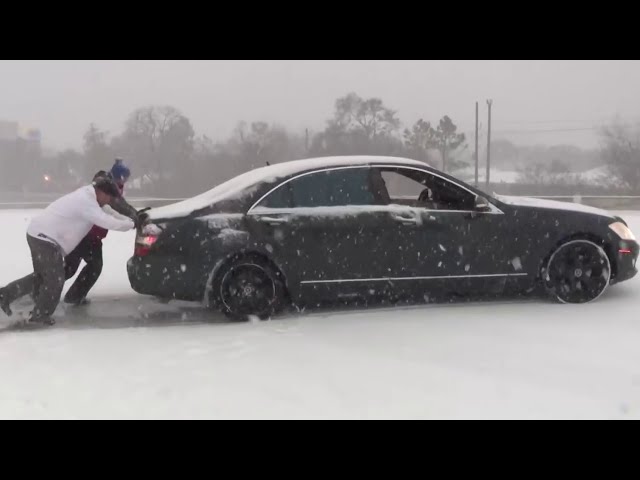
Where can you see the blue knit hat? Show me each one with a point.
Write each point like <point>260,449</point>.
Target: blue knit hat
<point>120,170</point>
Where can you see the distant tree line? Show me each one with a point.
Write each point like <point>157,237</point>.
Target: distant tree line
<point>167,158</point>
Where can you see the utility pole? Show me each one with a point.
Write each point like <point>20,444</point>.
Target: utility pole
<point>306,140</point>
<point>489,102</point>
<point>475,155</point>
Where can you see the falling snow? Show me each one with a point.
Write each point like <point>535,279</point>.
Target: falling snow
<point>438,361</point>
<point>517,264</point>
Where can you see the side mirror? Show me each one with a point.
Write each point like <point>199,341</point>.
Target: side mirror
<point>482,204</point>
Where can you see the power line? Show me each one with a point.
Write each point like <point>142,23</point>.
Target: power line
<point>549,130</point>
<point>558,129</point>
<point>538,122</point>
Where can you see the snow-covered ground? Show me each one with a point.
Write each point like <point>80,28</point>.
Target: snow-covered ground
<point>128,356</point>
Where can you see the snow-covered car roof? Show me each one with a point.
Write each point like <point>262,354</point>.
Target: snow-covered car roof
<point>253,178</point>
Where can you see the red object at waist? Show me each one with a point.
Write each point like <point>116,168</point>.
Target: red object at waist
<point>98,233</point>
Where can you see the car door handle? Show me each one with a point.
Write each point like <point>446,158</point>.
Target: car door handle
<point>405,220</point>
<point>274,220</point>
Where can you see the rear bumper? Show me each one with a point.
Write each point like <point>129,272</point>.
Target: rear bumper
<point>626,258</point>
<point>165,277</point>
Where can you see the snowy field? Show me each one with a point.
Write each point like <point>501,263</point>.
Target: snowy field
<point>128,356</point>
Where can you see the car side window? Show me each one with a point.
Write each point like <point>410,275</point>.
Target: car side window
<point>279,198</point>
<point>330,188</point>
<point>418,188</point>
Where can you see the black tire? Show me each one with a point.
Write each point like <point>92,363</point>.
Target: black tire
<point>248,287</point>
<point>579,271</point>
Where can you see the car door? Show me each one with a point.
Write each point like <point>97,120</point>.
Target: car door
<point>418,251</point>
<point>322,228</point>
<point>449,245</point>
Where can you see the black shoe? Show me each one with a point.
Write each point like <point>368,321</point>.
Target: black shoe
<point>41,320</point>
<point>4,304</point>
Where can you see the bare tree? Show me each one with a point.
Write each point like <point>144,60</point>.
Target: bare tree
<point>159,141</point>
<point>369,116</point>
<point>259,144</point>
<point>446,140</point>
<point>419,140</point>
<point>621,152</point>
<point>359,127</point>
<point>97,153</point>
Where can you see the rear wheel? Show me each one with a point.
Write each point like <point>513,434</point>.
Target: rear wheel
<point>248,287</point>
<point>579,271</point>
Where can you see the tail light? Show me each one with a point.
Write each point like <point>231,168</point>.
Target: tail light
<point>144,244</point>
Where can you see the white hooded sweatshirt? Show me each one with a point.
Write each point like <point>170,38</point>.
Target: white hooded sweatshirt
<point>68,220</point>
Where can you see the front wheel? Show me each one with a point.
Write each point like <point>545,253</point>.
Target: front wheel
<point>579,271</point>
<point>249,287</point>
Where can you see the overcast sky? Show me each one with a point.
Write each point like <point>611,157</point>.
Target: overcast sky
<point>61,98</point>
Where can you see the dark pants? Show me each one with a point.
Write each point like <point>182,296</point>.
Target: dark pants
<point>89,250</point>
<point>46,281</point>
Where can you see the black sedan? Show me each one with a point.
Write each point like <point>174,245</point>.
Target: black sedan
<point>310,230</point>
